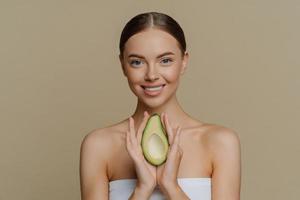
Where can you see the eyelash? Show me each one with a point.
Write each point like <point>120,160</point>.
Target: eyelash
<point>169,59</point>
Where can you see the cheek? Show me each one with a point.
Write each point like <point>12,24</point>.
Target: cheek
<point>172,75</point>
<point>134,77</point>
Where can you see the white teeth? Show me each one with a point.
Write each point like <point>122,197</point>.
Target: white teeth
<point>153,88</point>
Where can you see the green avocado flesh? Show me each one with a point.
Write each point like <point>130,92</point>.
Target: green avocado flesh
<point>155,142</point>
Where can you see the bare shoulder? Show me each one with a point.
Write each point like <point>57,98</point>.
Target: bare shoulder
<point>215,138</point>
<point>92,149</point>
<point>95,139</point>
<point>101,139</point>
<point>218,135</point>
<point>223,144</point>
<point>93,165</point>
<point>95,152</point>
<point>225,151</point>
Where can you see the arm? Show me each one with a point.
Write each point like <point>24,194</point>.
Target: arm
<point>226,157</point>
<point>93,159</point>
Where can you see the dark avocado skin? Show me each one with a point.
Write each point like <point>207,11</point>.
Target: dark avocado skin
<point>163,130</point>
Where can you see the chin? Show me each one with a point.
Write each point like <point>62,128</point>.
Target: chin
<point>153,103</point>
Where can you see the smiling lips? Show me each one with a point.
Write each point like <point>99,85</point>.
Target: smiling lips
<point>153,90</point>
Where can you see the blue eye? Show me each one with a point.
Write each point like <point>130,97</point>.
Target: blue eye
<point>134,62</point>
<point>166,59</point>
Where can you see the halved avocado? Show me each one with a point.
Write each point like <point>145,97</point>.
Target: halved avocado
<point>155,143</point>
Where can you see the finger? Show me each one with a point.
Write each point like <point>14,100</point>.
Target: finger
<point>130,148</point>
<point>180,151</point>
<point>131,130</point>
<point>131,124</point>
<point>142,127</point>
<point>177,136</point>
<point>162,115</point>
<point>175,144</point>
<point>169,129</point>
<point>178,159</point>
<point>127,141</point>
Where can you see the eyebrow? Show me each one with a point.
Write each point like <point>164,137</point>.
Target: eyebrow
<point>159,56</point>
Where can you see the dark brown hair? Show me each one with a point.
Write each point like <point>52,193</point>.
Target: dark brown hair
<point>148,20</point>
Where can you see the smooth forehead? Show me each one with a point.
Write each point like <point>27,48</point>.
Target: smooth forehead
<point>152,42</point>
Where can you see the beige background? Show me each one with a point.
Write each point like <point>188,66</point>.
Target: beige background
<point>61,78</point>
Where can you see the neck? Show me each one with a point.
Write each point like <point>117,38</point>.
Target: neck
<point>172,108</point>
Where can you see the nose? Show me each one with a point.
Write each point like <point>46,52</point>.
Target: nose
<point>151,74</point>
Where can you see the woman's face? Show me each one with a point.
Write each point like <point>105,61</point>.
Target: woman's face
<point>153,58</point>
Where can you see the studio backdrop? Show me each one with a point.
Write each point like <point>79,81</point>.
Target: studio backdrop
<point>60,78</point>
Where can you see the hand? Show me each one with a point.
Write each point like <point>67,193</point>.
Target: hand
<point>166,174</point>
<point>146,173</point>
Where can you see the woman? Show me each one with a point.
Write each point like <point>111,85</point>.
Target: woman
<point>203,159</point>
